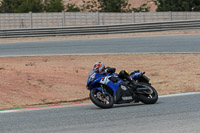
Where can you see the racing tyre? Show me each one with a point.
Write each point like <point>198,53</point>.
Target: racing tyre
<point>149,98</point>
<point>101,101</point>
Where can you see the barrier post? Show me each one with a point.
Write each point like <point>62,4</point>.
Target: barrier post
<point>133,17</point>
<point>63,19</point>
<point>31,19</point>
<point>170,16</point>
<point>97,18</point>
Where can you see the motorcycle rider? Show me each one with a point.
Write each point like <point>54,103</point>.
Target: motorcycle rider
<point>100,68</point>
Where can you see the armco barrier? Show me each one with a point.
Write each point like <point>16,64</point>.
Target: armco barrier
<point>108,29</point>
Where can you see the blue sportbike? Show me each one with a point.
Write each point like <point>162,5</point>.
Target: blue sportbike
<point>107,90</point>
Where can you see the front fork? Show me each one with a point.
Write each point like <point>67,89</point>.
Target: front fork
<point>103,90</point>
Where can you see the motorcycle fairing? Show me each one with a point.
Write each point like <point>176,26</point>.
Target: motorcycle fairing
<point>98,79</point>
<point>123,91</point>
<point>97,88</point>
<point>114,86</point>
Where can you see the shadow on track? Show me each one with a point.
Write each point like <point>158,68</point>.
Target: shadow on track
<point>94,107</point>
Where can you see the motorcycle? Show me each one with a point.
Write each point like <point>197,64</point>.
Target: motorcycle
<point>107,90</point>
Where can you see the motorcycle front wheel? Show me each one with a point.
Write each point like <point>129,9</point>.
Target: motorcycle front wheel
<point>100,100</point>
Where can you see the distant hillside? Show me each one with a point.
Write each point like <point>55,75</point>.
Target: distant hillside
<point>134,3</point>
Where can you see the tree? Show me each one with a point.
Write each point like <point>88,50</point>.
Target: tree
<point>72,8</point>
<point>5,6</point>
<point>20,6</point>
<point>91,6</point>
<point>29,6</point>
<point>178,5</point>
<point>105,5</point>
<point>53,6</point>
<point>114,5</point>
<point>111,6</point>
<point>24,6</point>
<point>142,8</point>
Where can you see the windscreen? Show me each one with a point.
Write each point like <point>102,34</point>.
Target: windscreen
<point>90,73</point>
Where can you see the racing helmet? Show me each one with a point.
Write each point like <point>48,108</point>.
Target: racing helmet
<point>99,67</point>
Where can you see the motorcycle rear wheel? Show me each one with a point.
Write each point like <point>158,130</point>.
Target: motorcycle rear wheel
<point>101,101</point>
<point>149,99</point>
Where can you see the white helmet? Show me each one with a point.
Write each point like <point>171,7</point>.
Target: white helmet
<point>99,67</point>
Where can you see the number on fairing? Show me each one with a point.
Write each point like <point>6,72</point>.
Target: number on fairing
<point>105,80</point>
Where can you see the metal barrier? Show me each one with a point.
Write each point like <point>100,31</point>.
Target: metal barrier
<point>107,29</point>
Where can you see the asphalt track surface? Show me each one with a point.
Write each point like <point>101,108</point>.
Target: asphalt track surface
<point>152,44</point>
<point>175,114</point>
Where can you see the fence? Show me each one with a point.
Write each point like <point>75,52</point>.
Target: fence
<point>100,29</point>
<point>63,19</point>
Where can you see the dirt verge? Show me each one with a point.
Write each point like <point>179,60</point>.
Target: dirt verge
<point>33,81</point>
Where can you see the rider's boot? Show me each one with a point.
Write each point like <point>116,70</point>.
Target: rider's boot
<point>133,84</point>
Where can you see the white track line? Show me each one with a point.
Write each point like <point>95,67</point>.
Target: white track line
<point>180,94</point>
<point>162,96</point>
<point>77,54</point>
<point>8,111</point>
